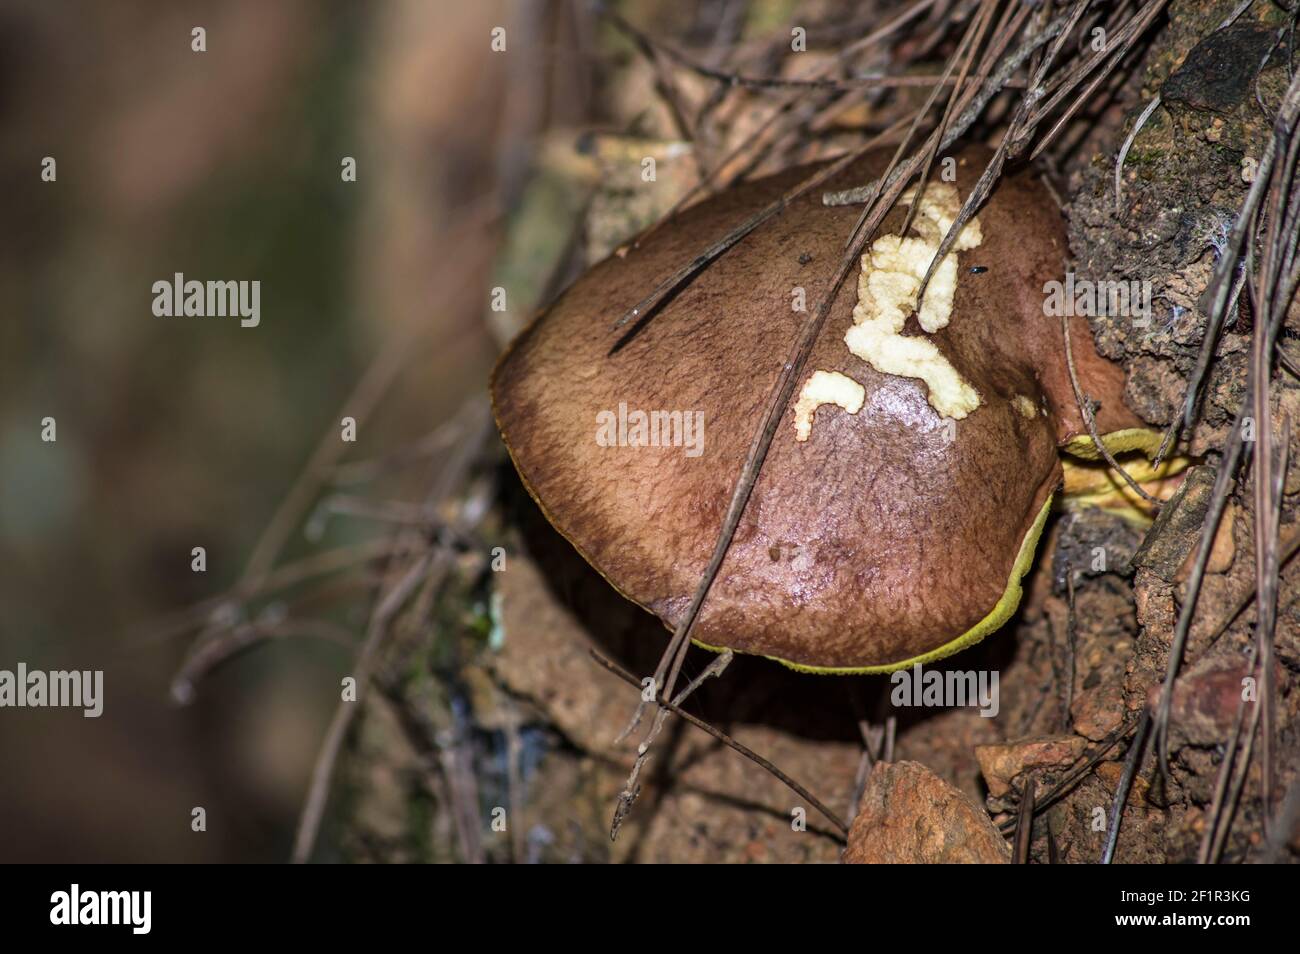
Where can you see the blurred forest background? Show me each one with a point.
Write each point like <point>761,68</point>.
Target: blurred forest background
<point>181,433</point>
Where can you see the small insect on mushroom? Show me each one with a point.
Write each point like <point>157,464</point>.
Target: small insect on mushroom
<point>906,492</point>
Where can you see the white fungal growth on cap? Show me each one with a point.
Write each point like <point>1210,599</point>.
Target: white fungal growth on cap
<point>1025,406</point>
<point>825,387</point>
<point>892,271</point>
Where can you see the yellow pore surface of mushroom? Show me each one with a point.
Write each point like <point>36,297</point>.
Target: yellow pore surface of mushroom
<point>825,387</point>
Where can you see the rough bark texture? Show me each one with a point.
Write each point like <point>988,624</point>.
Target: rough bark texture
<point>1183,180</point>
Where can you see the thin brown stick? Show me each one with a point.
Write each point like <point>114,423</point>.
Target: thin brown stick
<point>991,88</point>
<point>647,305</point>
<point>1117,42</point>
<point>1219,801</point>
<point>632,787</point>
<point>1208,345</point>
<point>1116,49</point>
<point>1274,289</point>
<point>671,662</point>
<point>426,565</point>
<point>224,636</point>
<point>665,675</point>
<point>650,45</point>
<point>965,54</point>
<point>1209,529</point>
<point>1024,824</point>
<point>365,397</point>
<point>1090,760</point>
<point>655,54</point>
<point>892,182</point>
<point>1276,284</point>
<point>784,109</point>
<point>1223,281</point>
<point>1239,781</point>
<point>1131,764</point>
<point>436,441</point>
<point>727,740</point>
<point>866,762</point>
<point>1019,129</point>
<point>207,654</point>
<point>218,610</point>
<point>1071,643</point>
<point>1288,362</point>
<point>314,807</point>
<point>1128,144</point>
<point>1087,762</point>
<point>1288,551</point>
<point>1086,409</point>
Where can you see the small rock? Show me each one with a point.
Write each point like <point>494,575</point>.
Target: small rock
<point>1098,712</point>
<point>1002,764</point>
<point>1110,774</point>
<point>1205,700</point>
<point>911,816</point>
<point>1217,73</point>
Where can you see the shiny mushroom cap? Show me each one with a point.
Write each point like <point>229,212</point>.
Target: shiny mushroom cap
<point>904,494</point>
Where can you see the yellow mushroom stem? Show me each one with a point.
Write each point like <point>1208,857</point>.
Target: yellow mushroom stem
<point>1091,482</point>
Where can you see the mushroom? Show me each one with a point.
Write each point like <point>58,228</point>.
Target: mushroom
<point>880,533</point>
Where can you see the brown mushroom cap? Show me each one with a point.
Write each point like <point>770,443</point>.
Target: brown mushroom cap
<point>877,542</point>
